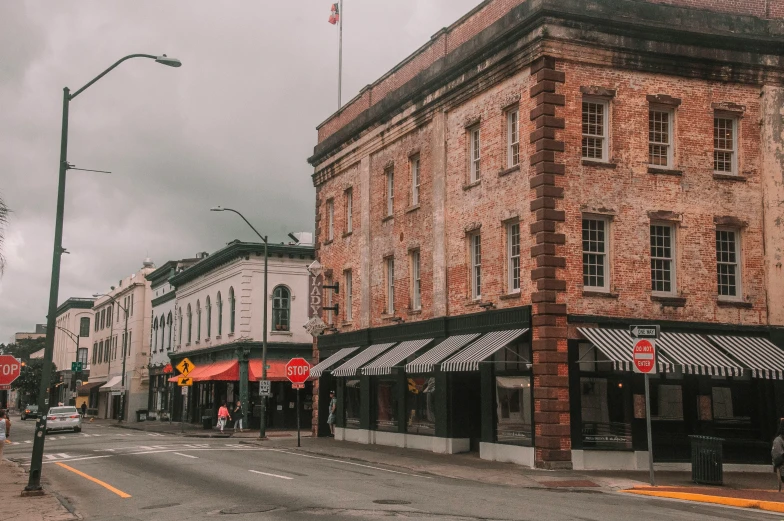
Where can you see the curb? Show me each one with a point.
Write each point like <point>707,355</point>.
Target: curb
<point>770,506</point>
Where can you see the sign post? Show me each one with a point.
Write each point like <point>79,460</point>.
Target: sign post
<point>185,367</point>
<point>297,371</point>
<point>644,361</point>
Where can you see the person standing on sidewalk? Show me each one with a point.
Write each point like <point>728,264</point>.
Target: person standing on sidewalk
<point>5,431</point>
<point>333,407</point>
<point>84,409</point>
<point>238,416</point>
<point>777,453</point>
<point>223,416</point>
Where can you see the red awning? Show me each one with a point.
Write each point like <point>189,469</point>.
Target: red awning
<point>276,371</point>
<point>225,371</point>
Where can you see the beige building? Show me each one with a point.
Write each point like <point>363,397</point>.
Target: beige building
<point>72,340</point>
<point>40,332</point>
<point>111,347</point>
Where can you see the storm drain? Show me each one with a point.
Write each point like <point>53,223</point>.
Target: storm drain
<point>248,509</point>
<point>391,502</point>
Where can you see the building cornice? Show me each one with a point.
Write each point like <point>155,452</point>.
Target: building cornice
<point>75,303</point>
<point>251,346</point>
<point>166,297</point>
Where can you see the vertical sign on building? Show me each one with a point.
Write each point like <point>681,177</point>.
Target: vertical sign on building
<point>316,301</point>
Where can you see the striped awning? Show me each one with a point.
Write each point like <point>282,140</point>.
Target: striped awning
<point>319,368</point>
<point>427,361</point>
<point>764,359</point>
<point>697,355</point>
<point>469,358</point>
<point>617,345</point>
<point>384,364</point>
<point>351,367</point>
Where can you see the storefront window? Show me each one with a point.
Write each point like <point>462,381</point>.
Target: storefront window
<point>731,404</point>
<point>386,405</point>
<point>421,407</point>
<point>666,402</point>
<point>513,410</point>
<point>513,357</point>
<point>352,404</point>
<point>606,419</point>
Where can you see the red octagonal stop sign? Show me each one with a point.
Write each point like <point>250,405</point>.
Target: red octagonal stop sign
<point>9,369</point>
<point>297,370</point>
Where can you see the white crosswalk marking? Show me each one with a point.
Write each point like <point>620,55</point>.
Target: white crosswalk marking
<point>155,434</point>
<point>196,445</point>
<point>60,455</point>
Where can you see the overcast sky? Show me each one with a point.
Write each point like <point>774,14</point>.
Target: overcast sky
<point>233,126</point>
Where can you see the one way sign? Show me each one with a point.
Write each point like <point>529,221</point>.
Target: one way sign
<point>644,331</point>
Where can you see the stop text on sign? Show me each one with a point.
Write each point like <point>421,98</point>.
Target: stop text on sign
<point>10,368</point>
<point>644,356</point>
<point>297,370</point>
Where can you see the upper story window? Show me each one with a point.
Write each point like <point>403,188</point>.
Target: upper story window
<point>349,295</point>
<point>475,253</point>
<point>349,210</point>
<point>84,327</point>
<point>179,337</point>
<point>513,256</point>
<point>170,323</point>
<point>474,154</point>
<point>281,308</point>
<point>728,263</point>
<point>190,324</point>
<point>154,334</point>
<point>390,190</point>
<point>95,352</point>
<point>725,145</point>
<point>109,314</point>
<point>328,300</point>
<point>512,138</point>
<point>660,150</point>
<point>208,307</point>
<point>596,274</point>
<point>595,125</point>
<point>416,281</point>
<point>220,314</point>
<point>198,321</point>
<point>162,322</point>
<point>389,268</point>
<point>330,219</point>
<point>415,180</point>
<point>663,259</point>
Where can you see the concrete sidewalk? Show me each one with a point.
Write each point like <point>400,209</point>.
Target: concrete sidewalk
<point>14,507</point>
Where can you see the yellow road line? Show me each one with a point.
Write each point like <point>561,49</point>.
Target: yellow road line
<point>94,480</point>
<point>770,506</point>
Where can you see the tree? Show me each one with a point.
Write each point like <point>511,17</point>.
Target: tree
<point>29,382</point>
<point>3,221</point>
<point>23,348</point>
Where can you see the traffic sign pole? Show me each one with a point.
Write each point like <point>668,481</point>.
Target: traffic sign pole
<point>648,424</point>
<point>298,417</point>
<point>644,360</point>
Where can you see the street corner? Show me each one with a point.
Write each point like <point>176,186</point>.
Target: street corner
<point>16,500</point>
<point>767,500</point>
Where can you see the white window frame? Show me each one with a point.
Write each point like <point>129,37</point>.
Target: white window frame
<point>349,210</point>
<point>673,260</point>
<point>512,137</point>
<point>733,150</point>
<point>390,190</point>
<point>389,268</point>
<point>415,180</point>
<point>349,291</point>
<point>475,256</point>
<point>513,256</point>
<point>737,264</point>
<point>475,153</point>
<point>416,280</point>
<point>605,254</point>
<point>330,219</point>
<point>604,136</point>
<point>669,144</point>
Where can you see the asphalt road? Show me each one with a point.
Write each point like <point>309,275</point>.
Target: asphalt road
<point>112,474</point>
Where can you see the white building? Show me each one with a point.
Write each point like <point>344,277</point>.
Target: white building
<point>72,342</point>
<point>219,327</point>
<point>111,346</point>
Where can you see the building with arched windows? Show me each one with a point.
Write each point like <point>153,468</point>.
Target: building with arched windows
<point>218,312</point>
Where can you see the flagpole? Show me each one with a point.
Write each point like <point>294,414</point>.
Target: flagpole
<point>340,52</point>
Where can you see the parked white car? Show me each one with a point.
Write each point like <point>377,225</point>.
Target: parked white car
<point>63,419</point>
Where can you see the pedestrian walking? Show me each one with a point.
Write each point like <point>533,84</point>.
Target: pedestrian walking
<point>5,431</point>
<point>238,416</point>
<point>223,416</point>
<point>777,453</point>
<point>333,407</point>
<point>84,409</point>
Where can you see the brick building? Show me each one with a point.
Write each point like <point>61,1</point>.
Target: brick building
<point>504,203</point>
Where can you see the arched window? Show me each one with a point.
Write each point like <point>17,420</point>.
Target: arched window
<point>232,309</point>
<point>169,321</point>
<point>220,315</point>
<point>162,322</point>
<point>179,338</point>
<point>209,317</point>
<point>281,308</point>
<point>155,335</point>
<point>198,320</point>
<point>190,323</point>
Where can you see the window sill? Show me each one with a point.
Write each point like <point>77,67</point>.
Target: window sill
<point>729,177</point>
<point>511,296</point>
<point>218,337</point>
<point>387,218</point>
<point>281,333</point>
<point>412,208</point>
<point>664,171</point>
<point>472,303</point>
<point>327,243</point>
<point>347,234</point>
<point>231,335</point>
<point>469,186</point>
<point>598,164</point>
<point>734,304</point>
<point>599,294</point>
<point>510,170</point>
<point>347,324</point>
<point>206,340</point>
<point>666,301</point>
<point>187,344</point>
<point>197,342</point>
<point>412,312</point>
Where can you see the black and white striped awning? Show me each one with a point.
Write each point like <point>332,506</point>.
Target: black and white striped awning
<point>697,355</point>
<point>427,361</point>
<point>384,363</point>
<point>617,346</point>
<point>469,358</point>
<point>319,368</point>
<point>763,357</point>
<point>351,367</point>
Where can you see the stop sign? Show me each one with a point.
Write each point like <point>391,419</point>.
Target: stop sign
<point>644,356</point>
<point>297,370</point>
<point>9,369</point>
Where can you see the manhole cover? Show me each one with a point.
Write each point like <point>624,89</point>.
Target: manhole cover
<point>248,509</point>
<point>391,502</point>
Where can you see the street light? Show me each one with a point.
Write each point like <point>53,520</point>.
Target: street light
<point>125,351</point>
<point>263,428</point>
<point>36,462</point>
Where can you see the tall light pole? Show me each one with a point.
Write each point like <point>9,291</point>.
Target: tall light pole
<point>36,463</point>
<point>125,350</point>
<point>263,428</point>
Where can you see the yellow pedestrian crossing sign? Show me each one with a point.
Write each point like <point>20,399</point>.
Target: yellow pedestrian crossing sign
<point>184,381</point>
<point>185,367</point>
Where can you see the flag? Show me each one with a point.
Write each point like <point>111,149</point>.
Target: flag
<point>334,16</point>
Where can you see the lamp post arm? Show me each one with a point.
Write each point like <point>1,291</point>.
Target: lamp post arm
<point>263,238</point>
<point>107,71</point>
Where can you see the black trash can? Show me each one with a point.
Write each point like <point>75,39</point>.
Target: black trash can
<point>707,460</point>
<point>141,415</point>
<point>206,422</point>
